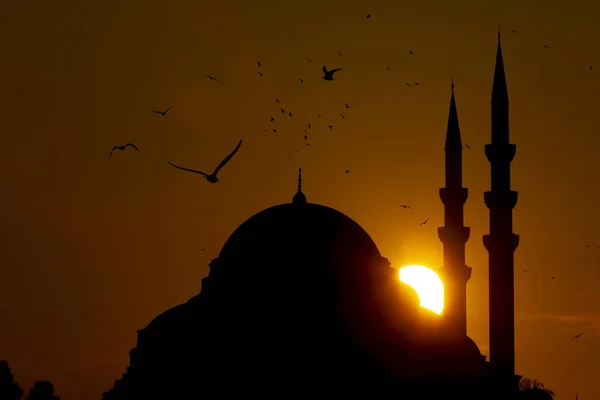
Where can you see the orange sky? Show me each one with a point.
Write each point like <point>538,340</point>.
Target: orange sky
<point>92,249</point>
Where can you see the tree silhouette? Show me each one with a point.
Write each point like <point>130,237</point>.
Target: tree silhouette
<point>42,390</point>
<point>532,389</point>
<point>9,389</point>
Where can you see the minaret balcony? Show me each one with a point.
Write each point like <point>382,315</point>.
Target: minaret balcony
<point>454,234</point>
<point>454,196</point>
<point>499,242</point>
<point>501,200</point>
<point>500,153</point>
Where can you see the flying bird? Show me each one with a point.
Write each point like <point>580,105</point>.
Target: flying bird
<point>275,130</point>
<point>328,75</point>
<point>163,113</point>
<point>212,78</point>
<point>259,64</point>
<point>410,51</point>
<point>405,206</point>
<point>277,100</point>
<point>368,16</point>
<point>305,136</point>
<point>424,222</point>
<point>282,110</point>
<point>546,46</point>
<point>122,148</point>
<point>586,245</point>
<point>347,171</point>
<point>319,115</point>
<point>212,178</point>
<point>308,59</point>
<point>407,84</point>
<point>416,83</point>
<point>260,73</point>
<point>308,125</point>
<point>388,68</point>
<point>591,67</point>
<point>330,127</point>
<point>339,54</point>
<point>553,277</point>
<point>514,31</point>
<point>577,336</point>
<point>272,119</point>
<point>467,146</point>
<point>290,114</point>
<point>344,117</point>
<point>301,80</point>
<point>347,105</point>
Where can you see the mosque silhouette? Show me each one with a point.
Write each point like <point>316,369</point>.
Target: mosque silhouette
<point>300,302</point>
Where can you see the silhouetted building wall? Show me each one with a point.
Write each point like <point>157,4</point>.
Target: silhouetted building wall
<point>501,242</point>
<point>454,234</point>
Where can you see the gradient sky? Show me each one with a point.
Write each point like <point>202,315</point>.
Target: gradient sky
<point>92,249</point>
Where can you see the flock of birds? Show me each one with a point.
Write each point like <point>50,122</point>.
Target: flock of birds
<point>328,75</point>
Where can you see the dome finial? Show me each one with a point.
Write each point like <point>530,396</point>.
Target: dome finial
<point>299,197</point>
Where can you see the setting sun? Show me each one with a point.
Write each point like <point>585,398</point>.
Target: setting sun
<point>427,284</point>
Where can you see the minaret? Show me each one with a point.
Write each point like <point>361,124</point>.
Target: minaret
<point>501,242</point>
<point>454,234</point>
<point>299,197</point>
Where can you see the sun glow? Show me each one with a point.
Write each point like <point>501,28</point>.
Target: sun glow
<point>428,285</point>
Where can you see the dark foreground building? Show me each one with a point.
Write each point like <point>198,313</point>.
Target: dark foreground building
<point>301,303</point>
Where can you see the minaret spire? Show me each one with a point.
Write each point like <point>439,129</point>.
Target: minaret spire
<point>454,234</point>
<point>299,197</point>
<point>501,242</point>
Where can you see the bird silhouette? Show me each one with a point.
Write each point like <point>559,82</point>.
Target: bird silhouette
<point>212,78</point>
<point>277,100</point>
<point>467,146</point>
<point>290,114</point>
<point>405,206</point>
<point>591,67</point>
<point>308,59</point>
<point>282,110</point>
<point>330,127</point>
<point>368,16</point>
<point>424,222</point>
<point>526,270</point>
<point>122,148</point>
<point>546,46</point>
<point>416,83</point>
<point>586,245</point>
<point>347,171</point>
<point>305,136</point>
<point>319,115</point>
<point>410,51</point>
<point>577,336</point>
<point>344,117</point>
<point>347,105</point>
<point>163,113</point>
<point>259,64</point>
<point>260,73</point>
<point>308,125</point>
<point>301,80</point>
<point>514,31</point>
<point>388,68</point>
<point>272,119</point>
<point>407,84</point>
<point>275,130</point>
<point>328,75</point>
<point>339,54</point>
<point>553,277</point>
<point>212,178</point>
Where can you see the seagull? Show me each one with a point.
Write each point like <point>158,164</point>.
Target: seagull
<point>347,105</point>
<point>319,115</point>
<point>347,170</point>
<point>212,78</point>
<point>305,136</point>
<point>212,178</point>
<point>275,130</point>
<point>122,148</point>
<point>577,336</point>
<point>277,100</point>
<point>308,59</point>
<point>344,117</point>
<point>410,51</point>
<point>368,16</point>
<point>260,73</point>
<point>388,68</point>
<point>339,54</point>
<point>416,83</point>
<point>272,119</point>
<point>405,206</point>
<point>328,75</point>
<point>163,113</point>
<point>301,80</point>
<point>282,110</point>
<point>553,277</point>
<point>308,125</point>
<point>407,84</point>
<point>546,46</point>
<point>259,64</point>
<point>424,222</point>
<point>330,127</point>
<point>591,67</point>
<point>467,146</point>
<point>290,114</point>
